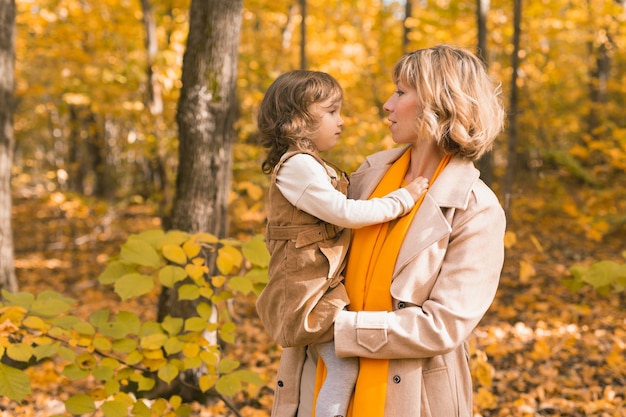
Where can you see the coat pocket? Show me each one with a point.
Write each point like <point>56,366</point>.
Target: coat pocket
<point>437,393</point>
<point>371,330</point>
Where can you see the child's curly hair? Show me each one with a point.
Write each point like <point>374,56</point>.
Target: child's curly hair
<point>285,117</point>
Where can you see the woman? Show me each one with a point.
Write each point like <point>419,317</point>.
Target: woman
<point>418,285</point>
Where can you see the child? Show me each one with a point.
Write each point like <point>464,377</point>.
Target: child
<point>298,119</point>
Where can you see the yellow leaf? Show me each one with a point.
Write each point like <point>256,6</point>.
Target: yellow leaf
<point>229,260</point>
<point>196,272</point>
<point>526,271</point>
<point>191,349</point>
<point>206,237</point>
<point>484,399</point>
<point>206,382</point>
<point>175,254</point>
<point>218,280</point>
<point>191,248</point>
<point>509,239</point>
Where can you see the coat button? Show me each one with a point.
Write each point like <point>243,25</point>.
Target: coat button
<point>401,304</point>
<point>396,379</point>
<point>280,384</point>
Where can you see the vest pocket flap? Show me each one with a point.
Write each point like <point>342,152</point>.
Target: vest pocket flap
<point>307,237</point>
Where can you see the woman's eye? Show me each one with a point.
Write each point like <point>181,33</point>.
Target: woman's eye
<point>399,92</point>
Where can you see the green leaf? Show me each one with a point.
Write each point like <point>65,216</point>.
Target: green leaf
<point>205,310</point>
<point>168,372</point>
<point>124,345</point>
<point>258,275</point>
<point>85,329</point>
<point>141,410</point>
<point>113,271</point>
<point>249,376</point>
<point>171,274</point>
<point>172,325</point>
<point>227,365</point>
<point>74,372</point>
<point>133,285</point>
<point>20,352</point>
<point>228,385</point>
<point>114,409</point>
<point>99,318</point>
<point>173,346</point>
<point>45,351</point>
<point>228,332</point>
<point>188,292</point>
<point>80,404</point>
<point>152,236</point>
<point>103,373</point>
<point>111,387</point>
<point>102,344</point>
<point>144,383</point>
<point>184,410</point>
<point>256,252</point>
<point>604,273</point>
<point>86,361</point>
<point>14,383</point>
<point>130,320</point>
<point>240,284</point>
<point>195,324</point>
<point>66,323</point>
<point>22,299</point>
<point>140,252</point>
<point>153,341</point>
<point>134,358</point>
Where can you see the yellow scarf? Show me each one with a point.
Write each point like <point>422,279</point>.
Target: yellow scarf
<point>373,254</point>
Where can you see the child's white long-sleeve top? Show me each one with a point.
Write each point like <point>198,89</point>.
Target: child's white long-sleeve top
<point>305,183</point>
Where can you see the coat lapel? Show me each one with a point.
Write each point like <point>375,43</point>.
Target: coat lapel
<point>452,189</point>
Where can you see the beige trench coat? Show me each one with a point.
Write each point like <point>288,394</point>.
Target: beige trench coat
<point>445,279</point>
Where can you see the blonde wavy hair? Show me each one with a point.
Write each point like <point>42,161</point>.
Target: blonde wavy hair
<point>286,117</point>
<point>461,107</point>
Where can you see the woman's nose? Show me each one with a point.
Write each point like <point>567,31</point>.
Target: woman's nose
<point>387,106</point>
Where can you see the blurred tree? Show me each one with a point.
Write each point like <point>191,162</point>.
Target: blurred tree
<point>7,85</point>
<point>303,35</point>
<point>482,11</point>
<point>512,160</point>
<point>206,116</point>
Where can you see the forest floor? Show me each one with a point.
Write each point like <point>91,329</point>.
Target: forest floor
<point>540,351</point>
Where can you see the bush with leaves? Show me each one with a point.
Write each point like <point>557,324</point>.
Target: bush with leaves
<point>604,276</point>
<point>120,350</point>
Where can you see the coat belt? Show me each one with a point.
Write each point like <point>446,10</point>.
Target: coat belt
<point>304,234</point>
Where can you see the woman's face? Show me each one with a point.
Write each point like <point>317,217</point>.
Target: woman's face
<point>403,109</point>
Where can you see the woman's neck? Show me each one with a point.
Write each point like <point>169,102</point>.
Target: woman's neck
<point>425,157</point>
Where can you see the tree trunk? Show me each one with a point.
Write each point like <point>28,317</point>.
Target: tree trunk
<point>512,158</point>
<point>408,12</point>
<point>8,279</point>
<point>303,62</point>
<point>206,113</point>
<point>485,164</point>
<point>157,185</point>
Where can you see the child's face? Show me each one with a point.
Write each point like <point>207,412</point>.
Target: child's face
<point>330,126</point>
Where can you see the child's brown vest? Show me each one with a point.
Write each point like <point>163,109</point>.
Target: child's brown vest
<point>304,292</point>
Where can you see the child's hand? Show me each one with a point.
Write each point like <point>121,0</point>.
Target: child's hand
<point>417,187</point>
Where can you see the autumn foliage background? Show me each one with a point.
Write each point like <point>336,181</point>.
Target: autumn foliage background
<point>541,350</point>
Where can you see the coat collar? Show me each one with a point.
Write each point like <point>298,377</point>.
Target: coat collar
<point>451,189</point>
